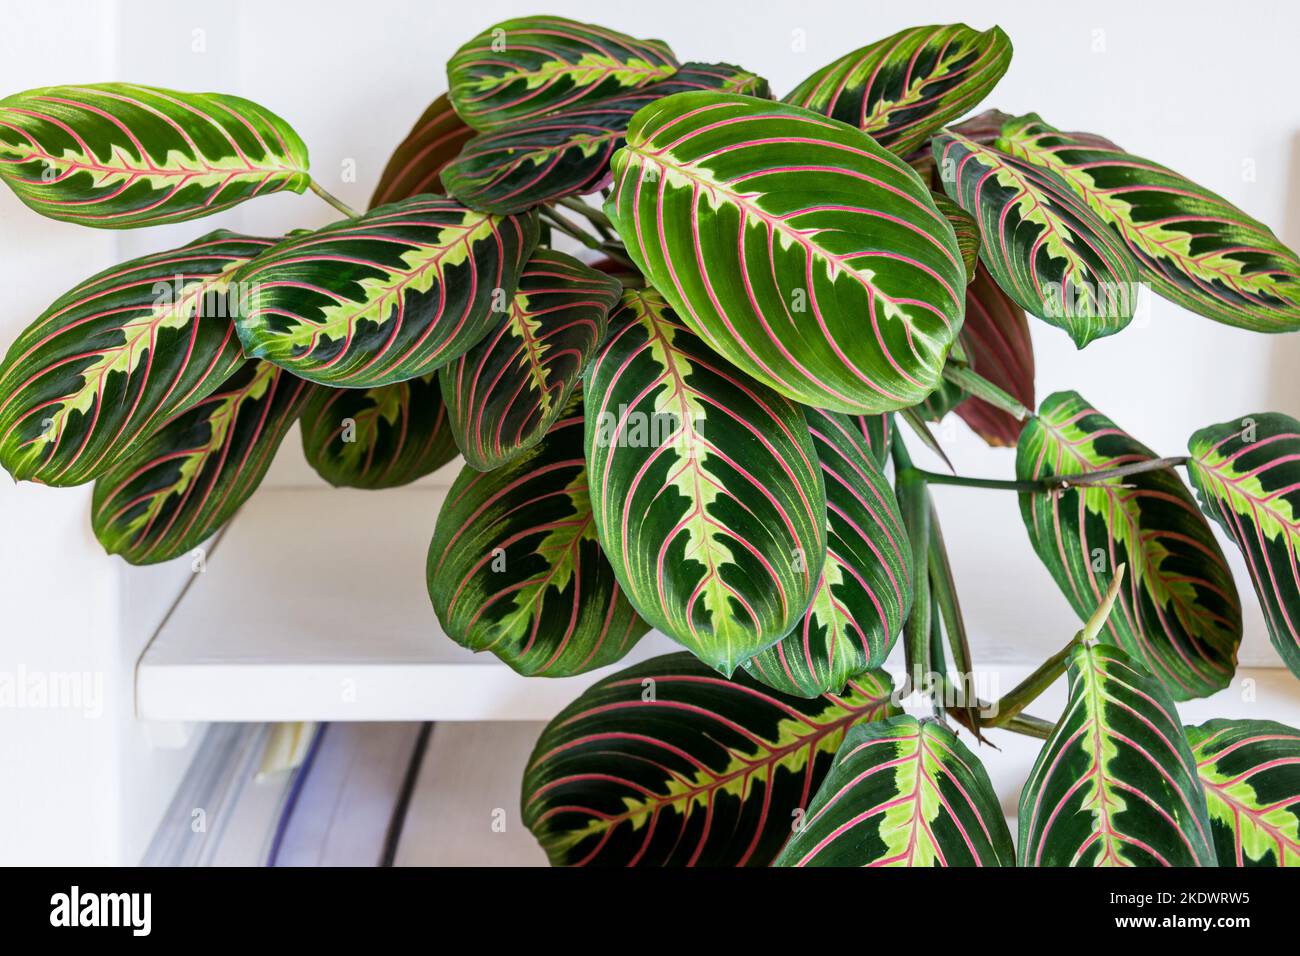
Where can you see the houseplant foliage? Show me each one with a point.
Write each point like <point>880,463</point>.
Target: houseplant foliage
<point>697,424</point>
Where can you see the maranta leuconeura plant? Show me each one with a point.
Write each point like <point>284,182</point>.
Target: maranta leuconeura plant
<point>699,422</point>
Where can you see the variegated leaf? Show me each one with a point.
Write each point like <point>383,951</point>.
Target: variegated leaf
<point>118,155</point>
<point>377,437</point>
<point>810,257</point>
<point>667,764</point>
<point>901,89</point>
<point>523,68</point>
<point>566,153</point>
<point>1052,254</point>
<point>1115,784</point>
<point>1178,613</point>
<point>116,356</point>
<point>416,165</point>
<point>1247,474</point>
<point>506,392</point>
<point>903,792</point>
<point>865,588</point>
<point>1195,247</point>
<point>388,296</point>
<point>1250,771</point>
<point>876,431</point>
<point>705,485</point>
<point>999,348</point>
<point>964,227</point>
<point>185,480</point>
<point>515,567</point>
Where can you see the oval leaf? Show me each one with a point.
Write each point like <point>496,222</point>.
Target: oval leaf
<point>901,89</point>
<point>416,165</point>
<point>188,478</point>
<point>1195,247</point>
<point>118,355</point>
<point>377,437</point>
<point>1250,770</point>
<point>794,245</point>
<point>996,338</point>
<point>118,155</point>
<point>1178,613</point>
<point>515,567</point>
<point>903,792</point>
<point>506,392</point>
<point>523,68</point>
<point>566,153</point>
<point>705,486</point>
<point>667,764</point>
<point>1052,254</point>
<point>865,588</point>
<point>1115,784</point>
<point>1247,475</point>
<point>388,296</point>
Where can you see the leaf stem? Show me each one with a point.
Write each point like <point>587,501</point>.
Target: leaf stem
<point>1046,674</point>
<point>937,478</point>
<point>1099,477</point>
<point>597,217</point>
<point>914,504</point>
<point>1056,482</point>
<point>571,229</point>
<point>977,385</point>
<point>333,200</point>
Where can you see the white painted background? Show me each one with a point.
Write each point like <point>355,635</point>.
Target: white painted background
<point>1201,86</point>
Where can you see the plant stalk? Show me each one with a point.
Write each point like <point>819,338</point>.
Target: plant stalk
<point>981,387</point>
<point>333,200</point>
<point>1056,482</point>
<point>596,216</point>
<point>571,228</point>
<point>943,590</point>
<point>914,504</point>
<point>1046,674</point>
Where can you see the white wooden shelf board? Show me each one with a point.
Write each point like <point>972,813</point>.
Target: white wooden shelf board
<point>313,606</point>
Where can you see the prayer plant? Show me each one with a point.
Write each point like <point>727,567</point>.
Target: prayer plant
<point>694,426</point>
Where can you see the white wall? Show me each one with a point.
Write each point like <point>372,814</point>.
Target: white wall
<point>1197,85</point>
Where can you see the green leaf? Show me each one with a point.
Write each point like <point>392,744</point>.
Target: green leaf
<point>385,297</point>
<point>1195,248</point>
<point>705,486</point>
<point>1247,475</point>
<point>377,437</point>
<point>1115,784</point>
<point>118,155</point>
<point>185,480</point>
<point>515,567</point>
<point>668,764</point>
<point>903,88</point>
<point>416,165</point>
<point>865,588</point>
<point>1250,770</point>
<point>903,792</point>
<point>996,338</point>
<point>521,69</point>
<point>1052,254</point>
<point>116,356</point>
<point>566,153</point>
<point>1178,613</point>
<point>810,257</point>
<point>506,392</point>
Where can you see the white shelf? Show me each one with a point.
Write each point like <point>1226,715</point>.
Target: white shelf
<point>313,607</point>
